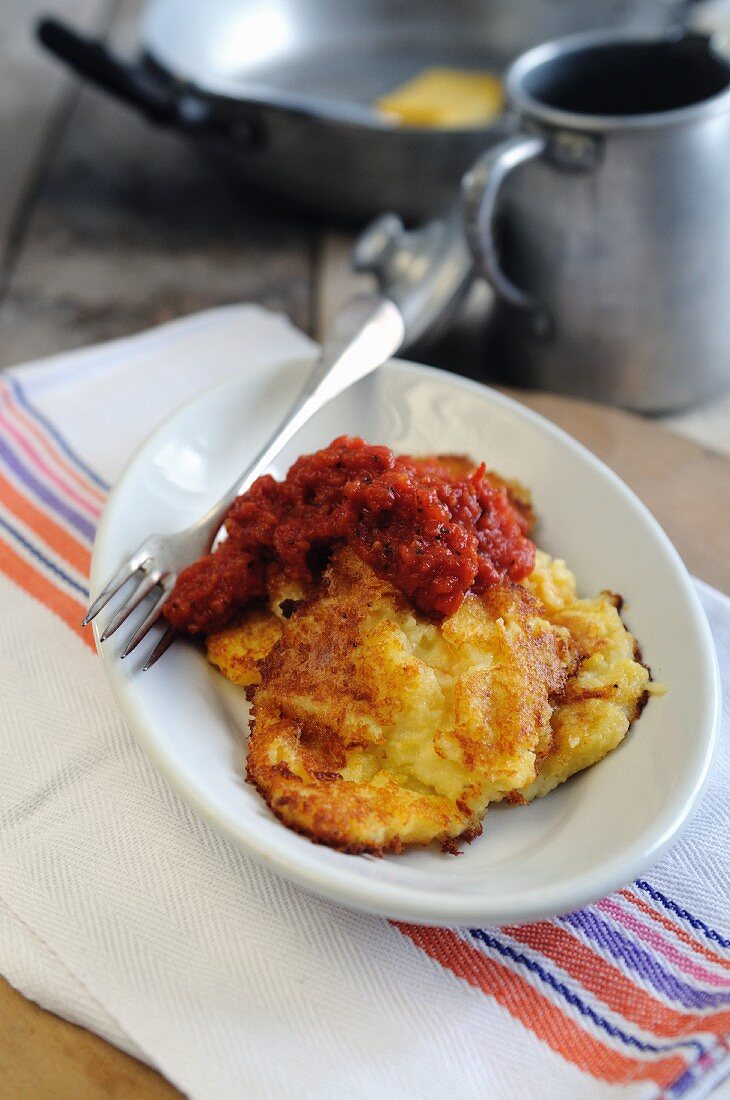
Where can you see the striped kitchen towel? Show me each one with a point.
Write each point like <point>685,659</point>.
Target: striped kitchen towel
<point>122,911</point>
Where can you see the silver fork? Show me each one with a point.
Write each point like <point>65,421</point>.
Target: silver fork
<point>364,334</point>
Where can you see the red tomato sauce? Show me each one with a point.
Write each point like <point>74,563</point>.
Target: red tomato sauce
<point>435,535</point>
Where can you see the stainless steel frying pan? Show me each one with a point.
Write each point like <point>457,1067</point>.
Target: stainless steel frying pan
<point>284,87</point>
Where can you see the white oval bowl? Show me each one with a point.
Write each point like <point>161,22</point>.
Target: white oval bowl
<point>590,836</point>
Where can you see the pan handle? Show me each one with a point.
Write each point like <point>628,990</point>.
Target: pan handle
<point>139,87</point>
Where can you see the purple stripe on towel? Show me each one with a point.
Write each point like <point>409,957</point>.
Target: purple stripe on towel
<point>642,962</point>
<point>46,495</point>
<point>55,434</point>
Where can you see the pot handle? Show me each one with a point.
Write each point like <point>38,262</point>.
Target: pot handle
<point>134,84</point>
<point>480,190</point>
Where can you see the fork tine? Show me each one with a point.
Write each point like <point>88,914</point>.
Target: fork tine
<point>168,583</point>
<point>113,586</point>
<point>142,590</point>
<point>162,646</point>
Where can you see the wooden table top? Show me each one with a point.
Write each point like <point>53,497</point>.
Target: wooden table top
<point>108,226</point>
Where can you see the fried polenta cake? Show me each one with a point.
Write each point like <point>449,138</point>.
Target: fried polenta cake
<point>240,650</point>
<point>374,728</point>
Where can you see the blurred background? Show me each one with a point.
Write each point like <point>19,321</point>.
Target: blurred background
<point>110,224</point>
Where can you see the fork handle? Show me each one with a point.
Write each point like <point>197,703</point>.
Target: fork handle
<point>363,335</point>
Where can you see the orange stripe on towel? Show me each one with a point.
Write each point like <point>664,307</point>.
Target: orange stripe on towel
<point>536,1012</point>
<point>54,536</point>
<point>613,988</point>
<point>40,588</point>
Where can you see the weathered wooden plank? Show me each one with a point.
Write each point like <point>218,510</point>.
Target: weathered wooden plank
<point>46,1058</point>
<point>34,101</point>
<point>708,425</point>
<point>685,485</point>
<point>133,227</point>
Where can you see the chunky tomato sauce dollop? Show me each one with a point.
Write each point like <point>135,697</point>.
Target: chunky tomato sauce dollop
<point>434,535</point>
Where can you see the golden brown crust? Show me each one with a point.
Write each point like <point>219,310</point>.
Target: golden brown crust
<point>375,728</point>
<point>239,650</point>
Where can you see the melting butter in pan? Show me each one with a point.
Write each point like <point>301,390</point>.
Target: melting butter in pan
<point>447,98</point>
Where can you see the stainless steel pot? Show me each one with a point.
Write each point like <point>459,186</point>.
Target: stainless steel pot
<point>603,223</point>
<point>284,87</point>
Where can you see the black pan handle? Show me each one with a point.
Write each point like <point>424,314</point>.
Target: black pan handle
<point>138,86</point>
